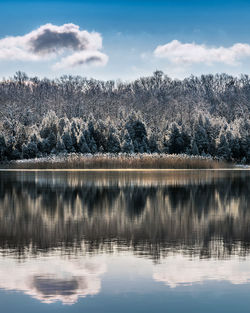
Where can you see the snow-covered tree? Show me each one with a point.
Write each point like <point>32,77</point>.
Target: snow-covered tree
<point>113,144</point>
<point>223,149</point>
<point>2,147</point>
<point>127,144</point>
<point>82,144</point>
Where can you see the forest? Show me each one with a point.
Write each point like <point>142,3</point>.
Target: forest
<point>199,116</point>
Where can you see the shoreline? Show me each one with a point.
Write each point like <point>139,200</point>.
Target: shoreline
<point>122,169</point>
<point>118,162</point>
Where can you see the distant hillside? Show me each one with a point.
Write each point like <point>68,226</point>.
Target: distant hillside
<point>207,115</point>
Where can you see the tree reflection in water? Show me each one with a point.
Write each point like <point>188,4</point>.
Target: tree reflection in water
<point>149,213</point>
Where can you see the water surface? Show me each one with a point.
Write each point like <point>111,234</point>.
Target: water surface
<point>152,241</point>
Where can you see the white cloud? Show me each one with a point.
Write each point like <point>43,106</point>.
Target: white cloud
<point>49,41</point>
<point>190,53</point>
<point>80,58</point>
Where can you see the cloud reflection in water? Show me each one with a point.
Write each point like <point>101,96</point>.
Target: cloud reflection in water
<point>52,278</point>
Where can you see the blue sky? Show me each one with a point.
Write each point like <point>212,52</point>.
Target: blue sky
<point>196,36</point>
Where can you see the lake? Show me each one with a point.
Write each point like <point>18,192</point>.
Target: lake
<point>131,241</point>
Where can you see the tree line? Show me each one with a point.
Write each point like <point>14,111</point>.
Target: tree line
<point>207,115</point>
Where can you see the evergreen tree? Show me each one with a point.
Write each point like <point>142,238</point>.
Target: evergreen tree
<point>44,146</point>
<point>60,146</point>
<point>49,125</point>
<point>186,140</point>
<point>175,143</point>
<point>90,141</point>
<point>2,147</point>
<point>223,149</point>
<point>62,123</point>
<point>101,134</point>
<point>51,141</point>
<point>194,148</point>
<point>10,149</point>
<point>138,134</point>
<point>21,137</point>
<point>113,143</point>
<point>67,141</point>
<point>82,144</point>
<point>211,136</point>
<point>152,143</point>
<point>246,148</point>
<point>75,130</point>
<point>200,136</point>
<point>165,146</point>
<point>30,150</point>
<point>127,144</point>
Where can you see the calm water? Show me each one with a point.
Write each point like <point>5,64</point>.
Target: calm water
<point>125,242</point>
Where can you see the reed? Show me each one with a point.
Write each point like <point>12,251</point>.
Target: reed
<point>118,161</point>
